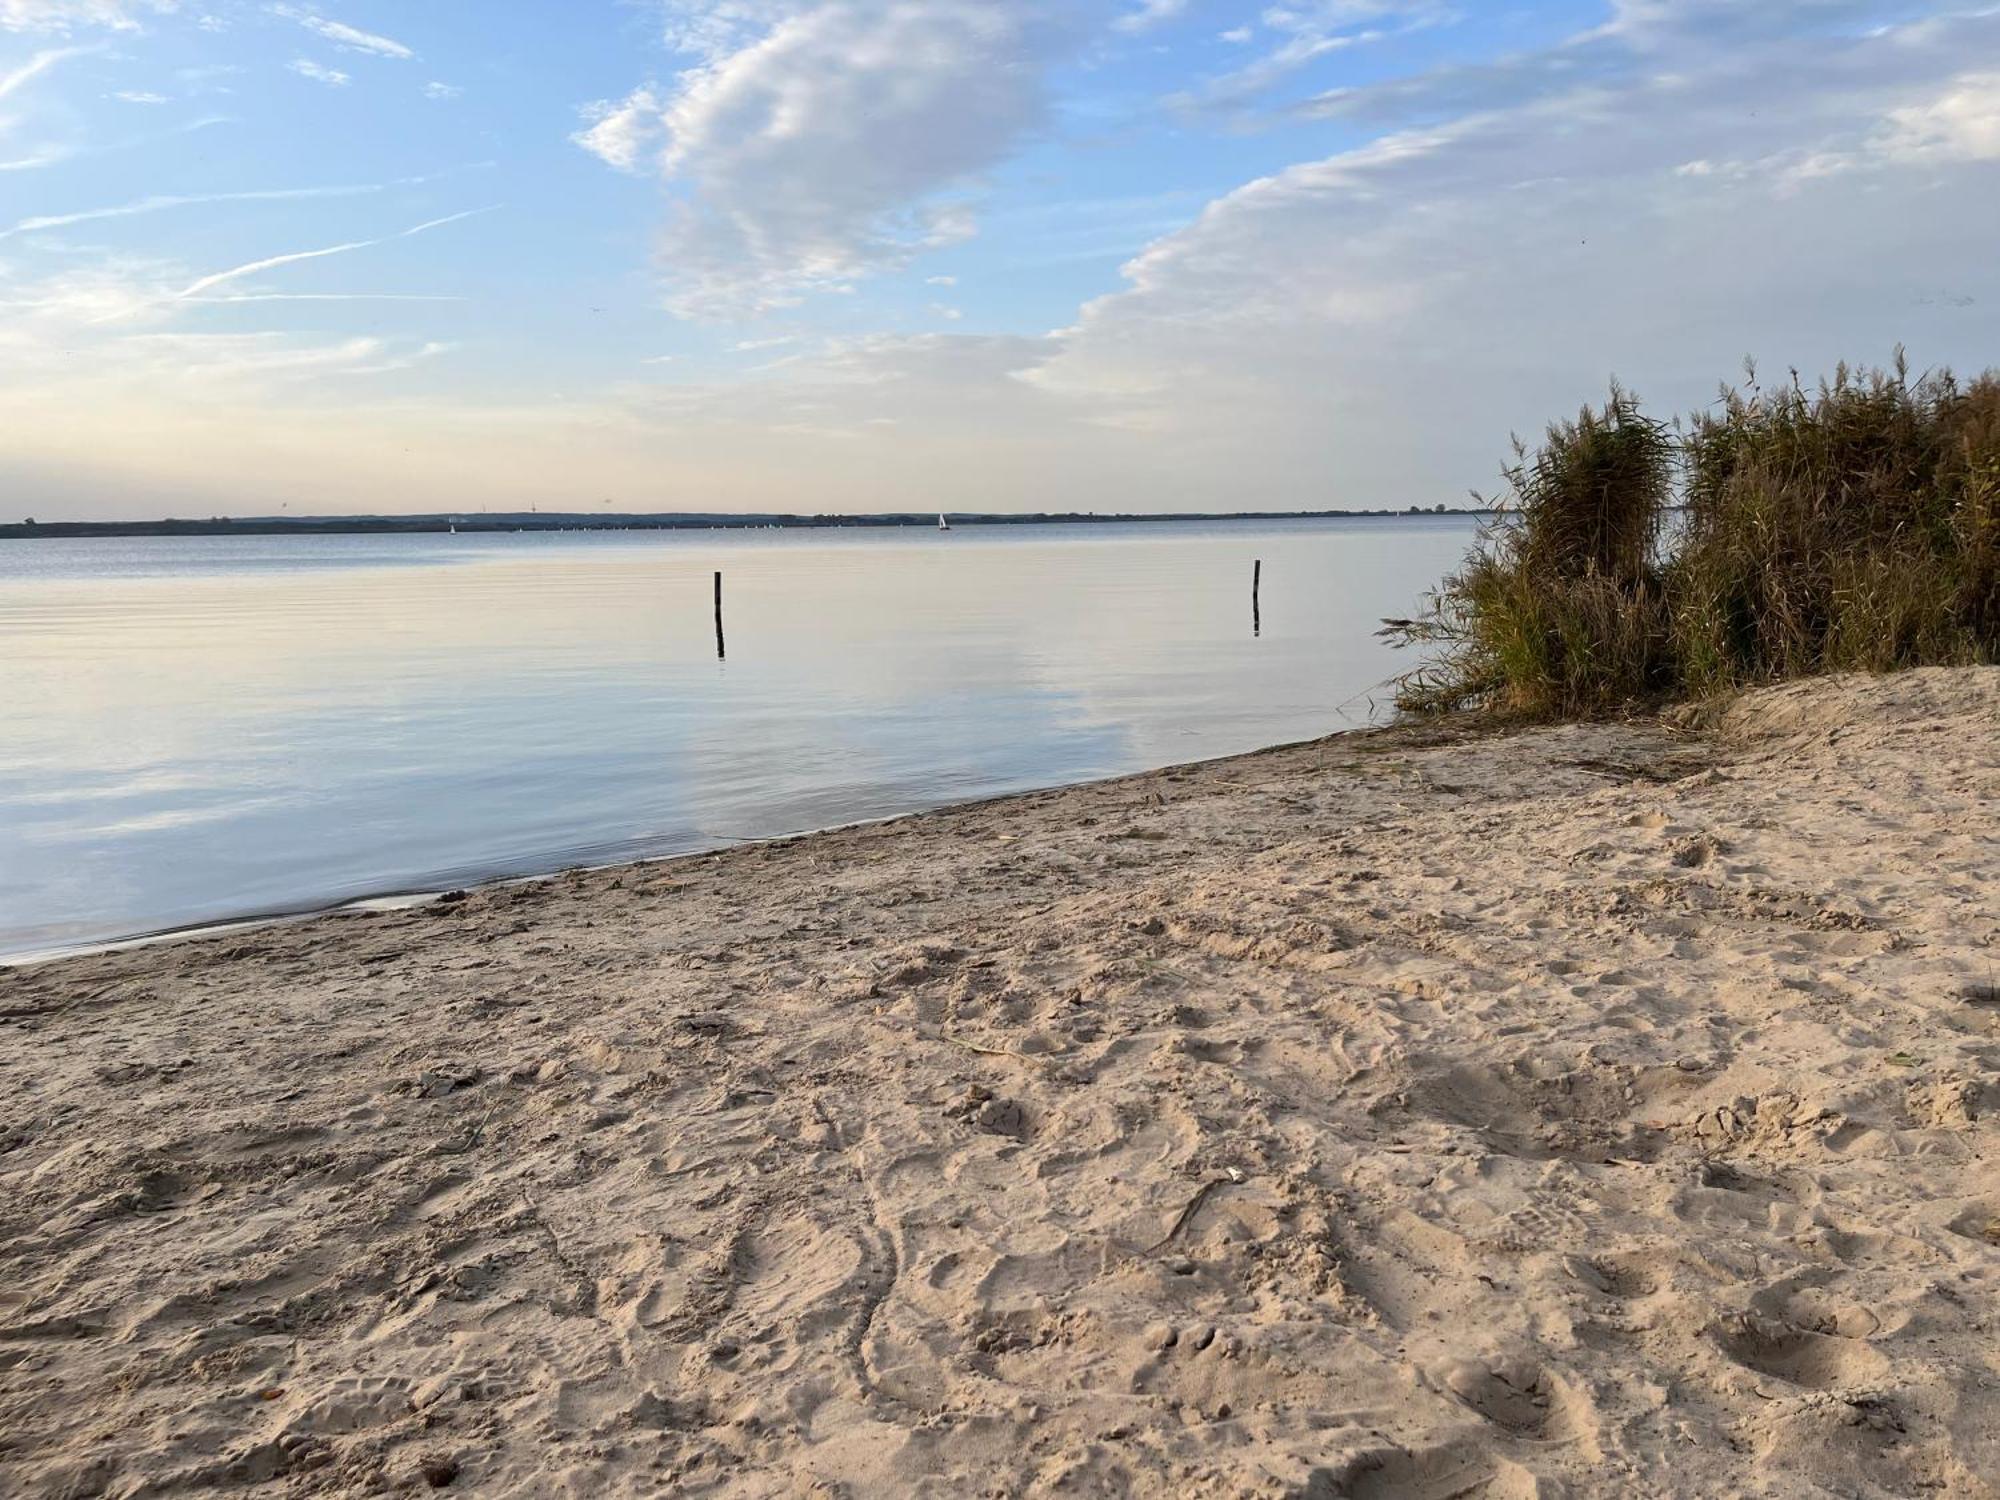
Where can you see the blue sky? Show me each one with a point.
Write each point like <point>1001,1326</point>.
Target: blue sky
<point>1005,254</point>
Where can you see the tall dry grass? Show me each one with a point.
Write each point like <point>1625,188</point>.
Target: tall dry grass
<point>1855,526</point>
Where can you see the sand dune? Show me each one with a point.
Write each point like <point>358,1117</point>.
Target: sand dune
<point>1596,1110</point>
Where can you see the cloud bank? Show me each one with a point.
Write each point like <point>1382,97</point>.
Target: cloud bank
<point>812,145</point>
<point>70,15</point>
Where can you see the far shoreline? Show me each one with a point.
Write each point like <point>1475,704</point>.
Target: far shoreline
<point>447,522</point>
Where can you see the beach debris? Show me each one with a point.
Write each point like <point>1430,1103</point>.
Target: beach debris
<point>1698,851</point>
<point>537,1070</point>
<point>1772,1115</point>
<point>473,1136</point>
<point>982,1107</point>
<point>1949,1104</point>
<point>967,1103</point>
<point>442,1078</point>
<point>1185,1218</point>
<point>712,1023</point>
<point>438,1471</point>
<point>985,1051</point>
<point>1002,1117</point>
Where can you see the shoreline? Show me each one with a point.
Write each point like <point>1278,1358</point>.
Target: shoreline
<point>1583,1108</point>
<point>413,897</point>
<point>510,523</point>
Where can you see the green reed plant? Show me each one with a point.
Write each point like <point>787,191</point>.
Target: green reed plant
<point>1837,529</point>
<point>1855,526</point>
<point>1559,609</point>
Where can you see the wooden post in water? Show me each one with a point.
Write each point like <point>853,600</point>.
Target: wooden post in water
<point>1256,604</point>
<point>720,654</point>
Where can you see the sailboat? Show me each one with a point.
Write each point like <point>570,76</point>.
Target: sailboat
<point>943,524</point>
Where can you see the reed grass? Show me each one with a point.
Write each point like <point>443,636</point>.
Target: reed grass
<point>1854,526</point>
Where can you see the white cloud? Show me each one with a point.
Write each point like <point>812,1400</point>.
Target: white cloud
<point>125,334</point>
<point>865,419</point>
<point>940,281</point>
<point>622,131</point>
<point>106,327</point>
<point>442,91</point>
<point>1961,124</point>
<point>344,36</point>
<point>67,15</point>
<point>1148,14</point>
<point>815,144</point>
<point>305,67</point>
<point>1305,31</point>
<point>1367,328</point>
<point>140,96</point>
<point>712,29</point>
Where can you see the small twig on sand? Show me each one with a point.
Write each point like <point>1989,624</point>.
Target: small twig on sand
<point>926,1034</point>
<point>472,1137</point>
<point>1187,1215</point>
<point>1032,1057</point>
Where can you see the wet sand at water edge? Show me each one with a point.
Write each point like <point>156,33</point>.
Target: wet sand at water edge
<point>1604,1109</point>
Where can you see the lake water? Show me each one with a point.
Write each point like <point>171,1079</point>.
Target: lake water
<point>198,729</point>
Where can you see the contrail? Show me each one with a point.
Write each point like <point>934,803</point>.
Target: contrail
<point>274,261</point>
<point>270,263</point>
<point>159,201</point>
<point>327,297</point>
<point>37,65</point>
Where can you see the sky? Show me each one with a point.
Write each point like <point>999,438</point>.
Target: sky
<point>835,255</point>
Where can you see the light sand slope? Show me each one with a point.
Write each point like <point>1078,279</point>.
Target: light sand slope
<point>1590,1111</point>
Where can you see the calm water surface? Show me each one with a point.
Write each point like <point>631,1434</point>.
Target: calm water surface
<point>205,728</point>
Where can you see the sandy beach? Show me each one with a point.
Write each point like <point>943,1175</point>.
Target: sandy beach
<point>1602,1109</point>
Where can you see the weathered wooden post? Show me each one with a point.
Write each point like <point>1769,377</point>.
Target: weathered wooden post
<point>720,653</point>
<point>1256,604</point>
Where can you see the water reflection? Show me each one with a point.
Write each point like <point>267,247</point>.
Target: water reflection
<point>201,728</point>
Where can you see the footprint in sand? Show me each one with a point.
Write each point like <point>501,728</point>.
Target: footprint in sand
<point>1816,1361</point>
<point>1447,1472</point>
<point>783,1271</point>
<point>1979,1222</point>
<point>353,1404</point>
<point>1623,1277</point>
<point>1513,1394</point>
